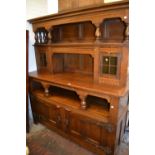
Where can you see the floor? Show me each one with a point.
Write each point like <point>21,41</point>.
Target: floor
<point>62,146</point>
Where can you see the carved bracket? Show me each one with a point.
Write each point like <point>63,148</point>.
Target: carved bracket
<point>50,35</point>
<point>126,32</point>
<point>126,37</point>
<point>92,55</point>
<point>98,31</point>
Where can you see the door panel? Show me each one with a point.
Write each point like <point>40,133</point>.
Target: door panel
<point>39,108</point>
<point>54,116</point>
<point>89,130</point>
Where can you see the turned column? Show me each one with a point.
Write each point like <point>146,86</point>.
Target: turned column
<point>126,32</point>
<point>50,35</point>
<point>46,90</point>
<point>82,96</point>
<point>97,32</point>
<point>126,36</point>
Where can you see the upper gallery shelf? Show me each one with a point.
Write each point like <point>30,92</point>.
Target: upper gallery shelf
<point>103,23</point>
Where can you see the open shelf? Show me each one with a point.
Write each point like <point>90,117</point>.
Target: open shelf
<point>111,30</point>
<point>70,99</point>
<point>72,63</point>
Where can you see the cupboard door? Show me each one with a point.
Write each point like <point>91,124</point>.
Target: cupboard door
<point>54,116</point>
<point>39,108</point>
<point>76,126</point>
<point>62,118</point>
<point>59,117</point>
<point>89,130</point>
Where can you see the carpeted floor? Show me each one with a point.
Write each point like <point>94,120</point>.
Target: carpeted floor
<point>42,141</point>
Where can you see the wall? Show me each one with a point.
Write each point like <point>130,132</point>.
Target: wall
<point>36,8</point>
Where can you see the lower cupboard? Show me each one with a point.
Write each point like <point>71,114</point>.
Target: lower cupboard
<point>87,132</point>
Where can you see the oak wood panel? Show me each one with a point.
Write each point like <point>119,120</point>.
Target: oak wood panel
<point>39,108</point>
<point>84,128</point>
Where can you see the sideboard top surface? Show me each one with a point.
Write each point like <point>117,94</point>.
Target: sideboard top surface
<point>78,81</point>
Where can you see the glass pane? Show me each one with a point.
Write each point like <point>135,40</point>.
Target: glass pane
<point>113,70</point>
<point>105,69</point>
<point>113,60</point>
<point>106,60</point>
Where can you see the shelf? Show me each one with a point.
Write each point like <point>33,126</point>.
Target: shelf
<point>70,100</point>
<point>84,44</point>
<point>76,81</point>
